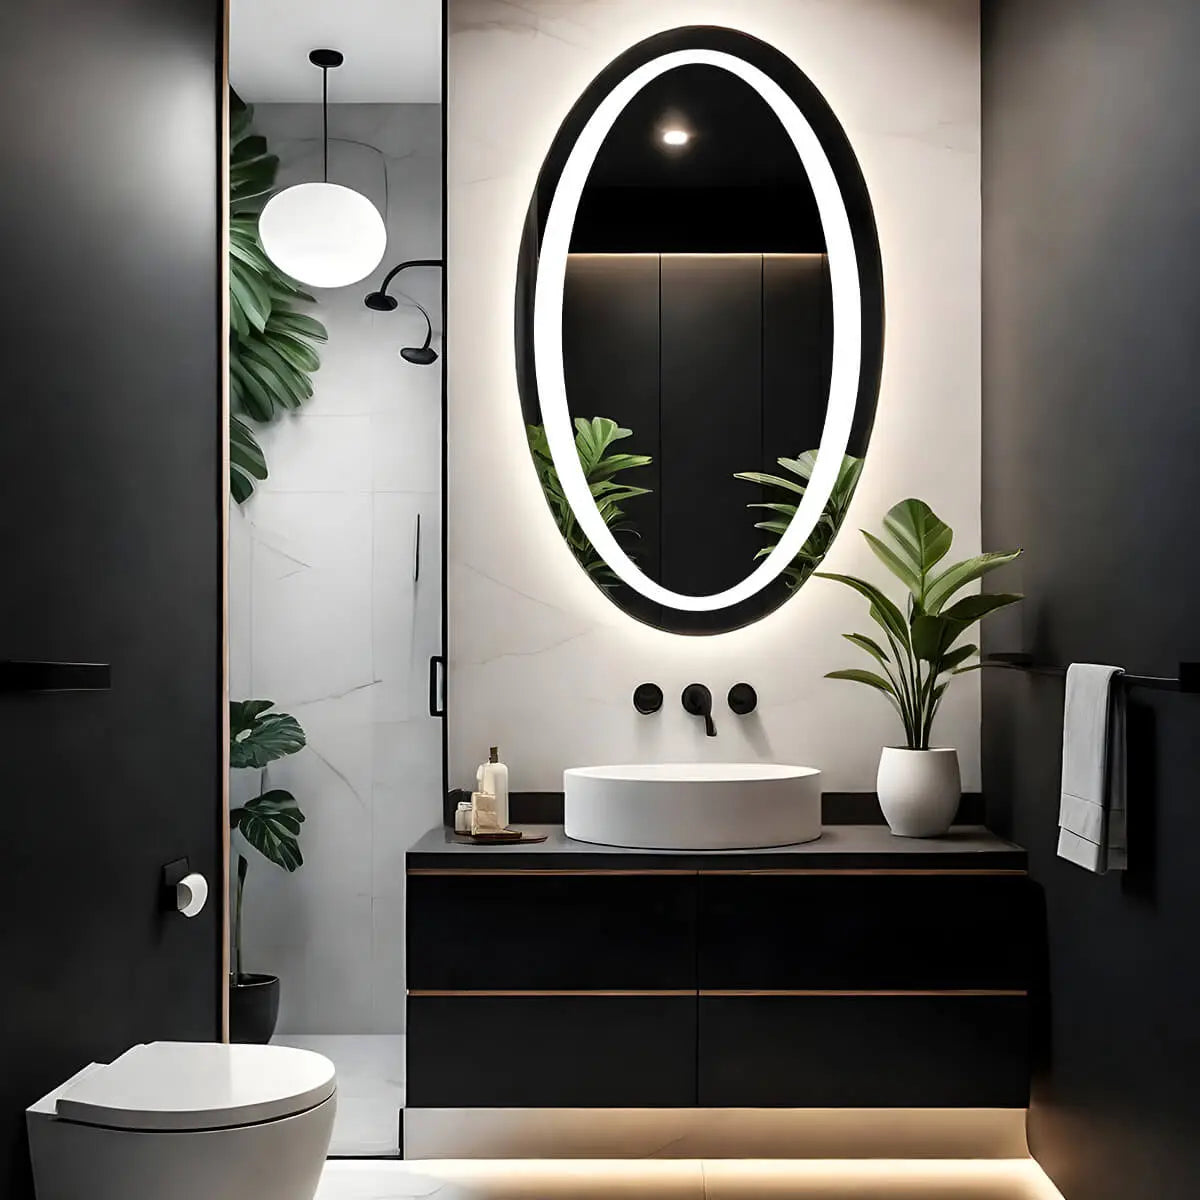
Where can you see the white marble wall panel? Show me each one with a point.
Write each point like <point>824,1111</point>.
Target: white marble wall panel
<point>326,618</point>
<point>540,662</point>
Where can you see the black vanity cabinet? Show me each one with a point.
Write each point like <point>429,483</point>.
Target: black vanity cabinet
<point>883,987</point>
<point>535,988</point>
<point>859,971</point>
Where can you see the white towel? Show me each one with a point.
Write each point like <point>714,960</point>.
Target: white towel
<point>1091,818</point>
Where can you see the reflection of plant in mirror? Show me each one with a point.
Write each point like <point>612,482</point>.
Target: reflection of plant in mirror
<point>924,652</point>
<point>592,441</point>
<point>270,822</point>
<point>271,353</point>
<point>816,546</point>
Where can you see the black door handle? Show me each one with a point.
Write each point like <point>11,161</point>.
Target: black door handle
<point>437,704</point>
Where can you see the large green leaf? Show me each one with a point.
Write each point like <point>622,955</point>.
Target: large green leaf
<point>246,460</point>
<point>872,647</point>
<point>920,537</point>
<point>894,563</point>
<point>974,608</point>
<point>943,586</point>
<point>258,737</point>
<point>592,441</point>
<point>868,677</point>
<point>817,544</point>
<point>271,355</point>
<point>882,609</point>
<point>271,824</point>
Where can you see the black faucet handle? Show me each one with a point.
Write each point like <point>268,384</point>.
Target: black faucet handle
<point>697,700</point>
<point>743,699</point>
<point>647,698</point>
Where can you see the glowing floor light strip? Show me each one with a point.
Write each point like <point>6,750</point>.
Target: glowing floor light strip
<point>847,329</point>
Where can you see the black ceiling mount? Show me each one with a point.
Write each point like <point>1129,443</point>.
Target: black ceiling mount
<point>326,59</point>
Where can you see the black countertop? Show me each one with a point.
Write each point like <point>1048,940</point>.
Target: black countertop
<point>840,847</point>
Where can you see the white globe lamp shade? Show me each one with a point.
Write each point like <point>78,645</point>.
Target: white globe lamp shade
<point>323,234</point>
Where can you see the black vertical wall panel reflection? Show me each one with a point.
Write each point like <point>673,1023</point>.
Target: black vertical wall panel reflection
<point>610,364</point>
<point>110,456</point>
<point>711,417</point>
<point>796,353</point>
<point>1091,435</point>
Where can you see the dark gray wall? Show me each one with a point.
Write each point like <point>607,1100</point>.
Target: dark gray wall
<point>1091,441</point>
<point>110,532</point>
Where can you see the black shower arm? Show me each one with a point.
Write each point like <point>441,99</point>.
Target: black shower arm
<point>415,262</point>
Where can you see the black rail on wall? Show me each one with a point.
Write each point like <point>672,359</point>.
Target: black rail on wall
<point>1090,432</point>
<point>110,457</point>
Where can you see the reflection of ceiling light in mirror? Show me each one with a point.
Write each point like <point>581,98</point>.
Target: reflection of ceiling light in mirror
<point>847,330</point>
<point>676,137</point>
<point>323,234</point>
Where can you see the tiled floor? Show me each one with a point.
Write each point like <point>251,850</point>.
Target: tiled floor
<point>370,1074</point>
<point>1004,1179</point>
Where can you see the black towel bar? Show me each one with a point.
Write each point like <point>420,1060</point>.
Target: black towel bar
<point>1188,679</point>
<point>54,677</point>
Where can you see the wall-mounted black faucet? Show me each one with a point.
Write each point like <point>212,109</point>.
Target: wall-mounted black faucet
<point>697,700</point>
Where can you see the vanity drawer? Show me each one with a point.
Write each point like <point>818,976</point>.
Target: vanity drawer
<point>531,931</point>
<point>864,1051</point>
<point>865,930</point>
<point>614,1051</point>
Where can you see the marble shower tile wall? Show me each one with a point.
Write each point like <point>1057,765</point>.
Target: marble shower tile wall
<point>539,661</point>
<point>325,616</point>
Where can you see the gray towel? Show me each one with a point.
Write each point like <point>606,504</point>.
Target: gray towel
<point>1091,818</point>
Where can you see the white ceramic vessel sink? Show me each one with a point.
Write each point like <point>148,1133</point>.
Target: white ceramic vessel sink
<point>693,806</point>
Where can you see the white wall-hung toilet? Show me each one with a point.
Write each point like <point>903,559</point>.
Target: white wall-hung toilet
<point>187,1121</point>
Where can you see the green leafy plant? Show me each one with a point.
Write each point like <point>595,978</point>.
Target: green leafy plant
<point>270,822</point>
<point>923,653</point>
<point>271,354</point>
<point>817,544</point>
<point>592,442</point>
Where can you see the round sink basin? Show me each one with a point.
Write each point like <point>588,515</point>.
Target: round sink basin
<point>693,806</point>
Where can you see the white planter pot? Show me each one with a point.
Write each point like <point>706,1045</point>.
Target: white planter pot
<point>919,790</point>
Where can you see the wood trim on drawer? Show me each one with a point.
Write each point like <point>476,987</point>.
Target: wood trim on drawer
<point>737,993</point>
<point>509,872</point>
<point>970,872</point>
<point>517,993</point>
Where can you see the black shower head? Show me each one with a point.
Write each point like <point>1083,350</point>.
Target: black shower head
<point>423,356</point>
<point>381,303</point>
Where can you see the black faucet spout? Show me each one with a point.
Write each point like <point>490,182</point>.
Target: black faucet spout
<point>697,700</point>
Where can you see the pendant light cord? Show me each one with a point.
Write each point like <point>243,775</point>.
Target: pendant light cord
<point>325,121</point>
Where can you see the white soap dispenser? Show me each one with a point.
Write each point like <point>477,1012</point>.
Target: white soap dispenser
<point>493,777</point>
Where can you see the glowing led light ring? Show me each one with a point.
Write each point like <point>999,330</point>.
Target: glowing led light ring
<point>847,329</point>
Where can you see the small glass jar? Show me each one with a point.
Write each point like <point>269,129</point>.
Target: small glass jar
<point>462,817</point>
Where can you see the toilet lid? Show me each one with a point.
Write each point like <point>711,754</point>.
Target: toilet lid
<point>199,1085</point>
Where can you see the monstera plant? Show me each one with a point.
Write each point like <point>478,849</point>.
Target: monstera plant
<point>795,483</point>
<point>270,824</point>
<point>593,440</point>
<point>271,354</point>
<point>921,653</point>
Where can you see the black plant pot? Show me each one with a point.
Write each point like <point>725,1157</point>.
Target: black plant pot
<point>253,1007</point>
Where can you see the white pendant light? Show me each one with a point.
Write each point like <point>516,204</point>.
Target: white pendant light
<point>323,234</point>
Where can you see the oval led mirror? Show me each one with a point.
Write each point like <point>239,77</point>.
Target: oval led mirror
<point>699,329</point>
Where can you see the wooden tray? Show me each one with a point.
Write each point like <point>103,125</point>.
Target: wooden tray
<point>509,837</point>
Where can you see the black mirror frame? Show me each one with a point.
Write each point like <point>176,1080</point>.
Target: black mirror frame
<point>804,93</point>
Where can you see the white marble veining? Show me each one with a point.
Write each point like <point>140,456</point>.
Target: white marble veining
<point>326,618</point>
<point>882,1179</point>
<point>540,662</point>
<point>370,1090</point>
